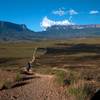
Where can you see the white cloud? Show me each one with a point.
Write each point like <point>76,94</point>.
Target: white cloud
<point>48,23</point>
<point>72,12</point>
<point>94,12</point>
<point>59,12</point>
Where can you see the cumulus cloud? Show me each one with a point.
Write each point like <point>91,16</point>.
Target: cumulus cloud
<point>46,22</point>
<point>94,12</point>
<point>59,12</point>
<point>72,12</point>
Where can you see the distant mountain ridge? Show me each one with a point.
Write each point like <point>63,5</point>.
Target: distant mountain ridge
<point>75,26</point>
<point>15,32</point>
<point>11,31</point>
<point>74,31</point>
<point>8,26</point>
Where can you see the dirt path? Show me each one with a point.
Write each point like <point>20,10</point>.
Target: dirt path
<point>39,87</point>
<point>60,69</point>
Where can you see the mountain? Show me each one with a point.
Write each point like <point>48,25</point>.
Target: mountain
<point>73,31</point>
<point>14,32</point>
<point>19,32</point>
<point>9,27</point>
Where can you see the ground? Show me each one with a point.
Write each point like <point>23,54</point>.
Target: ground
<point>37,87</point>
<point>69,59</point>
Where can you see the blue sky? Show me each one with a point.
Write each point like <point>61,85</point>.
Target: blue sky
<point>50,12</point>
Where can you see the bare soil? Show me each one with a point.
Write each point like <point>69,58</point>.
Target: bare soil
<point>36,87</point>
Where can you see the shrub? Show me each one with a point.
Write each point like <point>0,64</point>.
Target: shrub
<point>73,76</point>
<point>81,92</point>
<point>7,84</point>
<point>18,77</point>
<point>67,78</point>
<point>60,77</point>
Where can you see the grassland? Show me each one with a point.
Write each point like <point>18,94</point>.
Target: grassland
<point>79,58</point>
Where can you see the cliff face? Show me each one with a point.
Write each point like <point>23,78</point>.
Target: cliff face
<point>73,31</point>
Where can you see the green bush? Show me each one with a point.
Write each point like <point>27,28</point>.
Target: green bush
<point>18,77</point>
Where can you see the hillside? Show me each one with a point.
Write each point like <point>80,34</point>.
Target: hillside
<point>14,32</point>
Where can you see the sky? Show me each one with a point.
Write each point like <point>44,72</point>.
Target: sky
<point>40,14</point>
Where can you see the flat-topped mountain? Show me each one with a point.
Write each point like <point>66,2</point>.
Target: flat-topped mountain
<point>64,27</point>
<point>73,31</point>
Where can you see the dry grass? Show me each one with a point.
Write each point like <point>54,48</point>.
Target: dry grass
<point>14,56</point>
<point>81,90</point>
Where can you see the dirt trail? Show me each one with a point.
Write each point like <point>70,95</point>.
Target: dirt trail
<point>60,69</point>
<point>40,87</point>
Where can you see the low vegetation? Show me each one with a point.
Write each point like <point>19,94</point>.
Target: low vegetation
<point>18,77</point>
<point>7,84</point>
<point>91,74</point>
<point>60,77</point>
<point>80,76</point>
<point>76,86</point>
<point>81,91</point>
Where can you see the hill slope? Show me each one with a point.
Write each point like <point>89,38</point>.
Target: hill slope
<point>11,31</point>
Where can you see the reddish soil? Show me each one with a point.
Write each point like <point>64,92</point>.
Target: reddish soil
<point>36,87</point>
